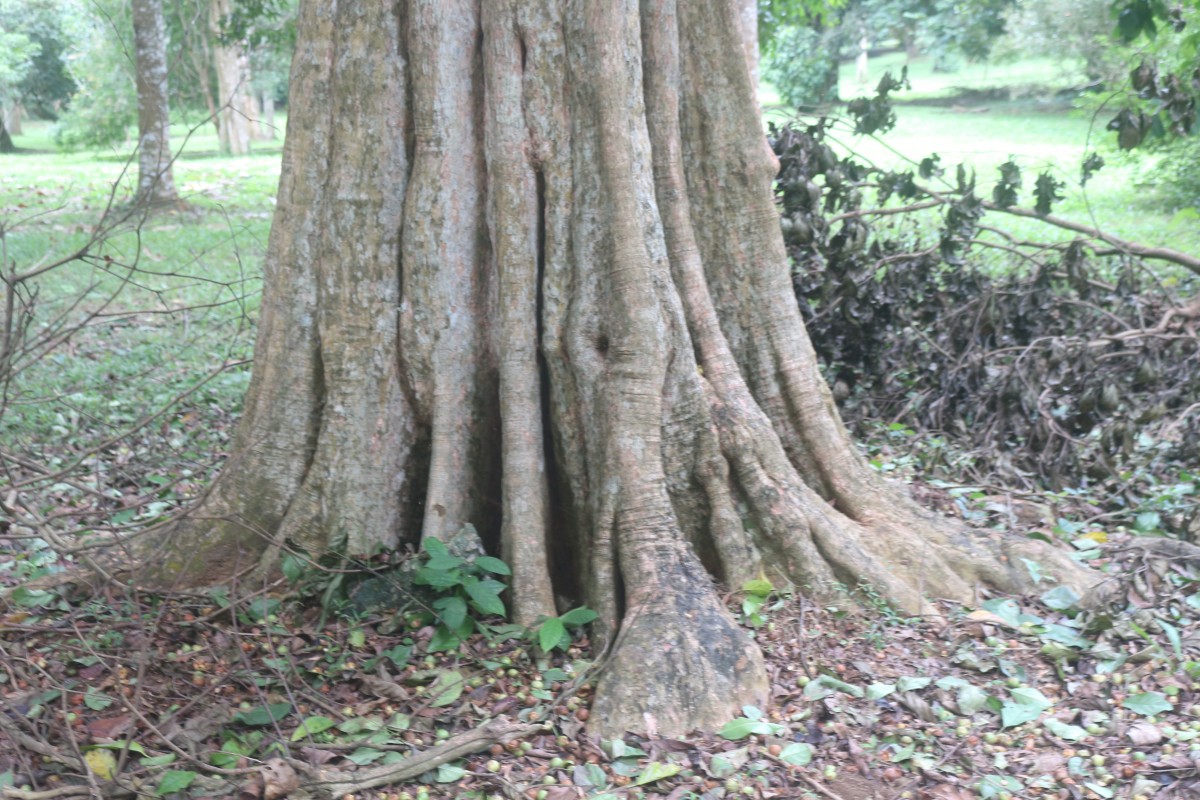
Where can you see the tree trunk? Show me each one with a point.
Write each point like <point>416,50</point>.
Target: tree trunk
<point>156,182</point>
<point>266,121</point>
<point>526,272</point>
<point>12,118</point>
<point>233,87</point>
<point>6,142</point>
<point>749,23</point>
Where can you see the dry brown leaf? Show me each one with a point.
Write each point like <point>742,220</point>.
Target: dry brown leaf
<point>1143,733</point>
<point>279,779</point>
<point>109,728</point>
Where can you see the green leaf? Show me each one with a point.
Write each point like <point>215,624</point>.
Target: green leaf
<point>365,755</point>
<point>493,565</point>
<point>438,579</point>
<point>971,699</point>
<point>1013,714</point>
<point>578,616</point>
<point>450,773</point>
<point>399,654</point>
<point>742,727</point>
<point>824,683</point>
<point>1072,733</point>
<point>97,701</point>
<point>447,688</point>
<point>263,715</point>
<point>132,747</point>
<point>312,725</point>
<point>656,771</point>
<point>443,563</point>
<point>484,596</point>
<point>911,683</point>
<point>1028,696</point>
<point>1147,703</point>
<point>1005,609</point>
<point>551,633</point>
<point>31,598</point>
<point>589,775</point>
<point>878,690</point>
<point>759,586</point>
<point>434,547</point>
<point>292,567</point>
<point>1060,598</point>
<point>1147,521</point>
<point>158,761</point>
<point>798,754</point>
<point>174,780</point>
<point>358,638</point>
<point>451,610</point>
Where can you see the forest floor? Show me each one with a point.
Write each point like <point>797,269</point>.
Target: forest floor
<point>204,696</point>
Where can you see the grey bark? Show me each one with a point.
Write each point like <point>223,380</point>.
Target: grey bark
<point>526,273</point>
<point>156,181</point>
<point>231,64</point>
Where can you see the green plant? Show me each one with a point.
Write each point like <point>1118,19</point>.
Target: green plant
<point>758,592</point>
<point>464,585</point>
<point>555,632</point>
<point>802,68</point>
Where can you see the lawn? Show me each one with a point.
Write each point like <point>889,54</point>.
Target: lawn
<point>162,302</point>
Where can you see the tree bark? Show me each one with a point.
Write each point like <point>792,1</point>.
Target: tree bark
<point>13,117</point>
<point>749,23</point>
<point>233,85</point>
<point>156,181</point>
<point>6,142</point>
<point>526,273</point>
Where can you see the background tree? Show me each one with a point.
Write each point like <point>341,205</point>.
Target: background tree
<point>526,272</point>
<point>50,25</point>
<point>17,52</point>
<point>156,181</point>
<point>104,106</point>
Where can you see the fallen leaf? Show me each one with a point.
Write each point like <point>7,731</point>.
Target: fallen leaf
<point>1143,733</point>
<point>110,727</point>
<point>279,779</point>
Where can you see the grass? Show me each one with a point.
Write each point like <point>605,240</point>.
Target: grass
<point>163,302</point>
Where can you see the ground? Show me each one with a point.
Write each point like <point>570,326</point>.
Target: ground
<point>1018,697</point>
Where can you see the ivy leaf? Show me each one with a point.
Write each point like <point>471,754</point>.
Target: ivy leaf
<point>1147,703</point>
<point>174,780</point>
